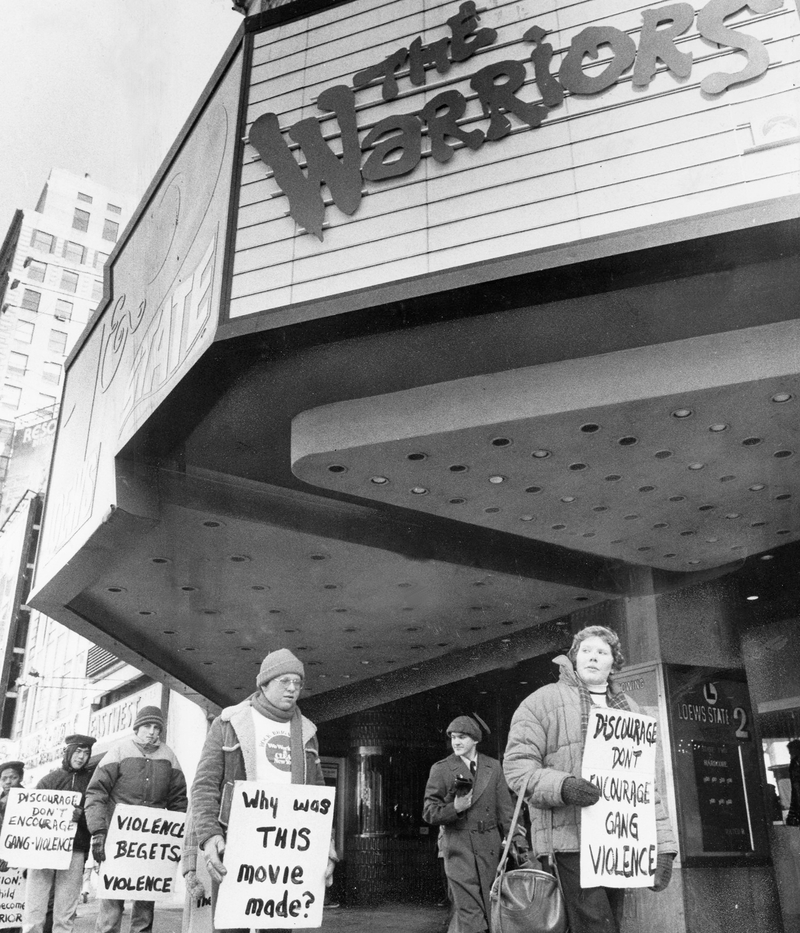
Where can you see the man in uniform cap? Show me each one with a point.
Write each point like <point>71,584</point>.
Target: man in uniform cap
<point>141,771</point>
<point>62,886</point>
<point>468,796</point>
<point>263,738</point>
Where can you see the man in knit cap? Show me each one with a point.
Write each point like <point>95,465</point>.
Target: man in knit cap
<point>263,738</point>
<point>141,771</point>
<point>63,886</point>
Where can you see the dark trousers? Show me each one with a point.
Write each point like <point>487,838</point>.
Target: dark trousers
<point>590,910</point>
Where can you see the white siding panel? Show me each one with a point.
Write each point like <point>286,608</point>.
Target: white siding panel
<point>599,164</point>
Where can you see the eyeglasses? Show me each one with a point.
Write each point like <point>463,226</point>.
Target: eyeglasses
<point>294,682</point>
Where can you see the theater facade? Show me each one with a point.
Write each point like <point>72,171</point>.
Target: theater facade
<point>442,332</point>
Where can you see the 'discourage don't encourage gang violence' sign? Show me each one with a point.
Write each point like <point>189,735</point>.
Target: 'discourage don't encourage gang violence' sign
<point>618,833</point>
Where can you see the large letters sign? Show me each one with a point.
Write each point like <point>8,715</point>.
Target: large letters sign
<point>277,851</point>
<point>143,849</point>
<point>12,897</point>
<point>38,830</point>
<point>393,146</point>
<point>618,833</point>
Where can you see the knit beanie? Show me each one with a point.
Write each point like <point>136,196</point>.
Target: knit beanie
<point>148,715</point>
<point>279,662</point>
<point>467,726</point>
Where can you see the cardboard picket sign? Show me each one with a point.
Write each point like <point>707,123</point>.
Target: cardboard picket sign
<point>38,829</point>
<point>143,849</point>
<point>12,897</point>
<point>276,854</point>
<point>618,833</point>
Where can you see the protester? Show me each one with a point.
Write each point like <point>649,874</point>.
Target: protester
<point>64,886</point>
<point>263,738</point>
<point>140,771</point>
<point>543,760</point>
<point>11,774</point>
<point>467,795</point>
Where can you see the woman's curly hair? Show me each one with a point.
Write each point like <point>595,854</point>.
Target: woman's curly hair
<point>599,631</point>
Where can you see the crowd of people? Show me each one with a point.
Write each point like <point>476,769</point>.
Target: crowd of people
<point>468,794</point>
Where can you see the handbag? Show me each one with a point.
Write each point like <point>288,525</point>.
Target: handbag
<point>526,900</point>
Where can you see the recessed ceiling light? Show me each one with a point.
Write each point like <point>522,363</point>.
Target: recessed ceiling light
<point>501,442</point>
<point>146,612</point>
<point>458,468</point>
<point>189,589</point>
<point>577,467</point>
<point>541,454</point>
<point>416,457</point>
<point>590,428</point>
<point>379,480</point>
<point>318,556</point>
<point>239,559</point>
<point>628,441</point>
<point>169,631</point>
<point>159,560</point>
<point>661,525</point>
<point>727,478</point>
<point>676,498</point>
<point>682,413</point>
<point>752,599</point>
<point>492,510</point>
<point>558,527</point>
<point>767,556</point>
<point>718,428</point>
<point>497,479</point>
<point>732,515</point>
<point>116,589</point>
<point>210,523</point>
<point>782,396</point>
<point>697,466</point>
<point>336,468</point>
<point>783,496</point>
<point>533,489</point>
<point>259,587</point>
<point>706,508</point>
<point>526,518</point>
<point>613,477</point>
<point>646,488</point>
<point>568,498</point>
<point>662,454</point>
<point>751,442</point>
<point>780,454</point>
<point>457,500</point>
<point>419,491</point>
<point>756,487</point>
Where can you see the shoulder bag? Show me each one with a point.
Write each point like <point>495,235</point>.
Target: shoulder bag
<point>526,900</point>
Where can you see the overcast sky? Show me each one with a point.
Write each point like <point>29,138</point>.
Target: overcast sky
<point>100,86</point>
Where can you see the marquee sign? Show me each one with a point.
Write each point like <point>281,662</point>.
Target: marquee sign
<point>393,146</point>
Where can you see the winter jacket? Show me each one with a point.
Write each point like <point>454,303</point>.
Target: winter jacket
<point>229,755</point>
<point>472,839</point>
<point>66,778</point>
<point>127,775</point>
<point>545,747</point>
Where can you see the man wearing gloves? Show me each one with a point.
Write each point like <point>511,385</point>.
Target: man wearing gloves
<point>64,885</point>
<point>141,771</point>
<point>263,738</point>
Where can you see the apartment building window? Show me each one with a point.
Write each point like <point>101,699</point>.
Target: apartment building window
<point>97,290</point>
<point>100,259</point>
<point>31,299</point>
<point>80,220</point>
<point>57,342</point>
<point>110,230</point>
<point>11,397</point>
<point>113,209</point>
<point>24,332</point>
<point>45,242</point>
<point>74,251</point>
<point>69,281</point>
<point>51,372</point>
<point>46,401</point>
<point>17,364</point>
<point>37,270</point>
<point>86,198</point>
<point>63,309</point>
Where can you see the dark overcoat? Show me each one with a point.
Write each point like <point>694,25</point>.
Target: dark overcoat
<point>472,839</point>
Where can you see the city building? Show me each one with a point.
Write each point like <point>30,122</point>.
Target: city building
<point>54,681</point>
<point>440,334</point>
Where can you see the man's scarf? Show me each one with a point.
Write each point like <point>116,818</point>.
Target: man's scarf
<point>615,699</point>
<point>260,703</point>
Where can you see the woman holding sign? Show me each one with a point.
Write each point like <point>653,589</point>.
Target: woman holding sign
<point>543,760</point>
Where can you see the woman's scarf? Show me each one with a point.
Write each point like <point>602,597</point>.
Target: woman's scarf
<point>260,703</point>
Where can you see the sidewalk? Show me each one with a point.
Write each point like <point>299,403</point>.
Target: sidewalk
<point>391,918</point>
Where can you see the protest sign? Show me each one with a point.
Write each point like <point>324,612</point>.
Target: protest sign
<point>143,849</point>
<point>618,833</point>
<point>277,851</point>
<point>12,897</point>
<point>38,830</point>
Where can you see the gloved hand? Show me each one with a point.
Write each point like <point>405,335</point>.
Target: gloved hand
<point>579,792</point>
<point>194,885</point>
<point>521,856</point>
<point>99,847</point>
<point>77,813</point>
<point>663,870</point>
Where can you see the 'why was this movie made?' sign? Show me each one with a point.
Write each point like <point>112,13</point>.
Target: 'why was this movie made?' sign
<point>143,849</point>
<point>618,833</point>
<point>38,829</point>
<point>277,852</point>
